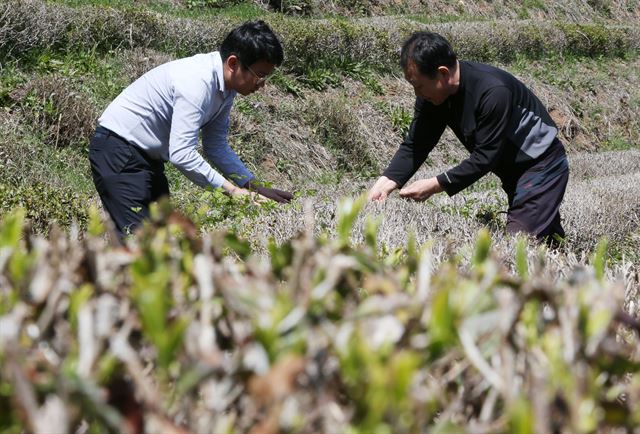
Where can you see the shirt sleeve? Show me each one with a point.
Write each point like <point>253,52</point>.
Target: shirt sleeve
<point>186,121</point>
<point>425,132</point>
<point>492,118</point>
<point>217,149</point>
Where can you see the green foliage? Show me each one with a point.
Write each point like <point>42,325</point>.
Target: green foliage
<point>96,226</point>
<point>44,205</point>
<point>595,39</point>
<point>521,417</point>
<point>10,237</point>
<point>521,258</point>
<point>11,230</point>
<point>483,247</point>
<point>347,212</point>
<point>600,258</point>
<point>78,299</point>
<point>286,83</point>
<point>214,207</point>
<point>399,116</point>
<point>321,78</point>
<point>379,382</point>
<point>150,295</point>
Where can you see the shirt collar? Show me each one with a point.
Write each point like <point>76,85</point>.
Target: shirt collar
<point>218,70</point>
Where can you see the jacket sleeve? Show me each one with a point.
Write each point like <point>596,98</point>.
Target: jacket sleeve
<point>425,132</point>
<point>183,140</point>
<point>216,147</point>
<point>492,120</point>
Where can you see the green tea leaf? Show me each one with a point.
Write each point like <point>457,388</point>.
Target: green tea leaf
<point>11,228</point>
<point>483,247</point>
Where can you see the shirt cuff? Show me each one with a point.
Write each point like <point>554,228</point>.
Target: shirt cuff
<point>445,183</point>
<point>217,180</point>
<point>243,182</point>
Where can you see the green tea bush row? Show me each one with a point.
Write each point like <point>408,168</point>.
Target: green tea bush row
<point>575,10</point>
<point>186,332</point>
<point>31,24</point>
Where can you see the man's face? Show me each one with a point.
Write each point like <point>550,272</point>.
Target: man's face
<point>435,90</point>
<point>250,78</point>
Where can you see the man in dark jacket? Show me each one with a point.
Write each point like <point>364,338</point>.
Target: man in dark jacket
<point>498,119</point>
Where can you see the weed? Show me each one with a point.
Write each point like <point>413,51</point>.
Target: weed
<point>617,143</point>
<point>320,78</point>
<point>399,116</point>
<point>286,83</point>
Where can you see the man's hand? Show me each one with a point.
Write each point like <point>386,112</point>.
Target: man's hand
<point>235,191</point>
<point>271,193</point>
<point>422,189</point>
<point>381,189</point>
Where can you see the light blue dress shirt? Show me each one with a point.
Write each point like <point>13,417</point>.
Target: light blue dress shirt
<point>164,111</point>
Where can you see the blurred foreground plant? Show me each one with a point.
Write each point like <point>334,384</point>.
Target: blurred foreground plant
<point>182,332</point>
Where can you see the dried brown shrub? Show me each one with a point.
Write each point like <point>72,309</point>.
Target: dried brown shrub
<point>338,129</point>
<point>53,105</point>
<point>140,60</point>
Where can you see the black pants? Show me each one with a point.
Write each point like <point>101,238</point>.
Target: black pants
<point>126,178</point>
<point>535,196</point>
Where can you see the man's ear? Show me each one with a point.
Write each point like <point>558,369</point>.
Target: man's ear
<point>444,72</point>
<point>232,62</point>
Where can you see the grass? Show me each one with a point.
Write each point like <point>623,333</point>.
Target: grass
<point>189,9</point>
<point>34,162</point>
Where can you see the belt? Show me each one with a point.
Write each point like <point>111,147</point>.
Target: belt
<point>105,132</point>
<point>102,131</point>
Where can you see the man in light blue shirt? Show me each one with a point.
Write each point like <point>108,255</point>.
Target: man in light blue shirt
<point>159,118</point>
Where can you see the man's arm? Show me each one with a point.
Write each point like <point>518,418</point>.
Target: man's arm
<point>216,147</point>
<point>492,120</point>
<point>426,128</point>
<point>183,140</point>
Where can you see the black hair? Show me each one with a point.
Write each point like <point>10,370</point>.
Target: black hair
<point>251,42</point>
<point>429,51</point>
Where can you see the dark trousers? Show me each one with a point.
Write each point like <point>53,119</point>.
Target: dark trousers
<point>535,196</point>
<point>126,178</point>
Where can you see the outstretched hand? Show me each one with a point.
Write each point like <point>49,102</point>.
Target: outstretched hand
<point>381,189</point>
<point>421,190</point>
